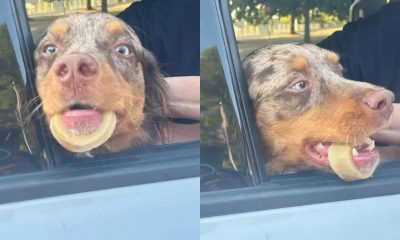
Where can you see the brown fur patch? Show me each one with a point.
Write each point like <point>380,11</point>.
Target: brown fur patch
<point>299,63</point>
<point>59,29</point>
<point>337,121</point>
<point>292,121</point>
<point>332,57</point>
<point>114,27</point>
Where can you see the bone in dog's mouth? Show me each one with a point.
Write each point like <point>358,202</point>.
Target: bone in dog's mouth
<point>364,154</point>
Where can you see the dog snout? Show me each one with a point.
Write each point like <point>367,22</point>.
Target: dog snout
<point>380,101</point>
<point>76,70</point>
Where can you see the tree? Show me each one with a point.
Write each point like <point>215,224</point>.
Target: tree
<point>104,5</point>
<point>89,5</point>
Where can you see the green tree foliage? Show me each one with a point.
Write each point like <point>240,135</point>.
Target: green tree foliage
<point>253,11</point>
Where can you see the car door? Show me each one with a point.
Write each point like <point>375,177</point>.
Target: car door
<point>239,200</point>
<point>47,193</point>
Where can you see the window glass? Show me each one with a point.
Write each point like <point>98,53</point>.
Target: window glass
<point>19,149</point>
<point>223,158</point>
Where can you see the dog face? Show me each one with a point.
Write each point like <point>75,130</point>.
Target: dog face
<point>93,63</point>
<point>303,105</point>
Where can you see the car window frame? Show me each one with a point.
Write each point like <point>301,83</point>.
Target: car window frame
<point>142,166</point>
<point>291,189</point>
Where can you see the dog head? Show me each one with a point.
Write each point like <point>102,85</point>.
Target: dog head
<point>88,64</point>
<point>303,105</point>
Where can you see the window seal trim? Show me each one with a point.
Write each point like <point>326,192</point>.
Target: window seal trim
<point>20,20</point>
<point>298,191</point>
<point>154,164</point>
<point>247,118</point>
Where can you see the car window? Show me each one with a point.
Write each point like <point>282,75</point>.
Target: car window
<point>225,162</point>
<point>26,145</point>
<point>19,146</point>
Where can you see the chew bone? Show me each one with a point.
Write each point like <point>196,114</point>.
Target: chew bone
<point>83,142</point>
<point>341,161</point>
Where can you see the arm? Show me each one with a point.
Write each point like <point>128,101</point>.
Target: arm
<point>183,102</point>
<point>184,98</point>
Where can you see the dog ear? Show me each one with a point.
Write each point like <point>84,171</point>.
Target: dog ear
<point>156,91</point>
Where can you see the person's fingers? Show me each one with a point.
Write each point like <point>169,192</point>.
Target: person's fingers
<point>387,136</point>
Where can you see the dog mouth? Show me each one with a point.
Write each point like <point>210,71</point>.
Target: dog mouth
<point>83,127</point>
<point>81,118</point>
<point>363,157</point>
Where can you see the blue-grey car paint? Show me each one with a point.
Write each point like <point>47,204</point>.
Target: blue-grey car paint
<point>362,219</point>
<point>156,211</point>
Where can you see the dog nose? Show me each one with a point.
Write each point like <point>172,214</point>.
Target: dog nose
<point>380,101</point>
<point>76,69</point>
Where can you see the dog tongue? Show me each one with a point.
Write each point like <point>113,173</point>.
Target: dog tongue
<point>82,120</point>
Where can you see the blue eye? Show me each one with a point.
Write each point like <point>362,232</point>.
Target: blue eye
<point>300,85</point>
<point>123,49</point>
<point>50,49</point>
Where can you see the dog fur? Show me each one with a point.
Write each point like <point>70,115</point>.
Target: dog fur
<point>300,97</point>
<point>131,85</point>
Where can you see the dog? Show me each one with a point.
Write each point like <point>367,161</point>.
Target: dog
<point>91,63</point>
<point>303,104</point>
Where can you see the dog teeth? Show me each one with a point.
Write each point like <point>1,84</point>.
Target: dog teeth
<point>355,152</point>
<point>319,147</point>
<point>368,141</point>
<point>371,146</point>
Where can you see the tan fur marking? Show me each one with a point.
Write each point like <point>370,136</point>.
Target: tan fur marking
<point>332,57</point>
<point>59,29</point>
<point>114,27</point>
<point>299,63</point>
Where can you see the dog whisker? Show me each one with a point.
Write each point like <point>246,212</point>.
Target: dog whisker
<point>32,113</point>
<point>29,103</point>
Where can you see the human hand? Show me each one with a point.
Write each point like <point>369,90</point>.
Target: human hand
<point>391,134</point>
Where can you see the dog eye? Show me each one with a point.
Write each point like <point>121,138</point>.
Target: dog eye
<point>300,85</point>
<point>123,50</point>
<point>50,49</point>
